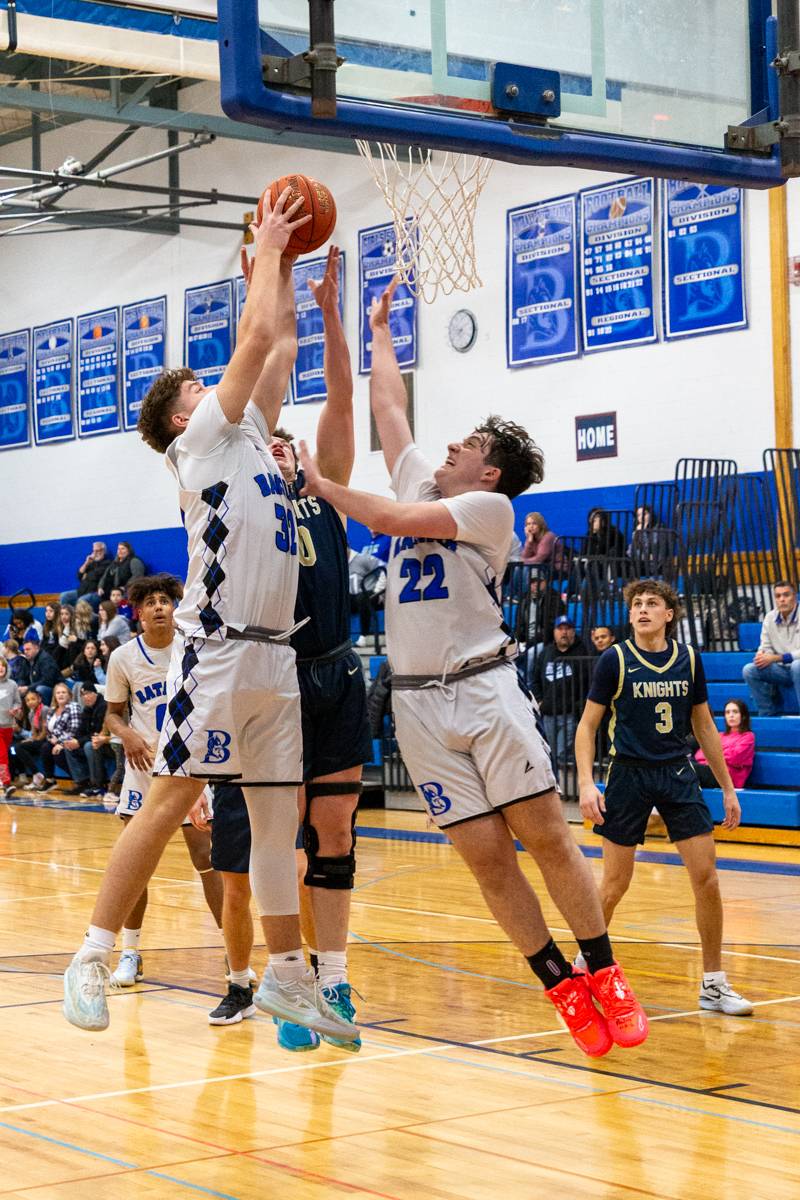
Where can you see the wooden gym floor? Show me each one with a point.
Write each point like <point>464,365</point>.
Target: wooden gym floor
<point>466,1086</point>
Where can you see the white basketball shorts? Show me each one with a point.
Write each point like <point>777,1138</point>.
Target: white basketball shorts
<point>233,713</point>
<point>134,793</point>
<point>474,746</point>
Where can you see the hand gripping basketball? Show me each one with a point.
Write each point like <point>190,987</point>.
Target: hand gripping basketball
<point>316,201</point>
<point>277,226</point>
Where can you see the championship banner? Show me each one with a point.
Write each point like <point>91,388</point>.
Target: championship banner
<point>376,267</point>
<point>703,249</point>
<point>617,264</point>
<point>144,337</point>
<point>308,376</point>
<point>15,389</point>
<point>541,282</point>
<point>208,330</point>
<point>98,373</point>
<point>53,419</point>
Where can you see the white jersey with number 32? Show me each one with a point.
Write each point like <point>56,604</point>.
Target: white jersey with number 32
<point>138,674</point>
<point>443,608</point>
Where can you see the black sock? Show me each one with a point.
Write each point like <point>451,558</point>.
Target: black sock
<point>314,963</point>
<point>549,965</point>
<point>597,952</point>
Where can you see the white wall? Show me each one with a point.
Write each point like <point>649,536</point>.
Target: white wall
<point>704,396</point>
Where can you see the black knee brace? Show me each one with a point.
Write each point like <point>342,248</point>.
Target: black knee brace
<point>336,874</point>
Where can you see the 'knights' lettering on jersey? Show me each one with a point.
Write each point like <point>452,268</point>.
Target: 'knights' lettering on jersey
<point>323,586</point>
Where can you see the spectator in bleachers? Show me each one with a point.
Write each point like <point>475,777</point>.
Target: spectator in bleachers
<point>604,540</point>
<point>738,748</point>
<point>367,570</point>
<point>63,722</point>
<point>17,663</point>
<point>22,624</point>
<point>112,624</point>
<point>601,637</point>
<point>32,731</point>
<point>776,666</point>
<point>70,644</point>
<point>88,666</point>
<point>90,572</point>
<point>124,609</point>
<point>107,647</point>
<point>121,570</point>
<point>537,612</point>
<point>43,673</point>
<point>539,540</point>
<point>94,746</point>
<point>86,620</point>
<point>651,547</point>
<point>10,709</point>
<point>559,685</point>
<point>51,632</point>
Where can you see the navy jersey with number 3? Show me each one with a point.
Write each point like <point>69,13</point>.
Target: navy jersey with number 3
<point>651,697</point>
<point>323,588</point>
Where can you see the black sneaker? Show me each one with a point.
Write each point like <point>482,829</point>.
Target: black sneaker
<point>234,1007</point>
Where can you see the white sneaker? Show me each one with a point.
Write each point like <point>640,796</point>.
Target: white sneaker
<point>129,969</point>
<point>360,642</point>
<point>720,997</point>
<point>36,784</point>
<point>251,974</point>
<point>110,802</point>
<point>301,1002</point>
<point>579,962</point>
<point>85,994</point>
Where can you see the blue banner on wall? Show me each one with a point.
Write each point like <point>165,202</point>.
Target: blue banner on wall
<point>98,372</point>
<point>208,330</point>
<point>15,389</point>
<point>541,282</point>
<point>53,419</point>
<point>617,264</point>
<point>144,339</point>
<point>308,377</point>
<point>703,248</point>
<point>376,263</point>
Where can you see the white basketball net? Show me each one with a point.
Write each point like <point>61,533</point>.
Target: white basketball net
<point>433,204</point>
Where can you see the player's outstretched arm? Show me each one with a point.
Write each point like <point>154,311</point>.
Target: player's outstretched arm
<point>336,446</point>
<point>707,735</point>
<point>259,326</point>
<point>270,390</point>
<point>387,391</point>
<point>428,519</point>
<point>591,799</point>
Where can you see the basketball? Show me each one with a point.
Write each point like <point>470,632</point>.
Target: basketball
<point>317,201</point>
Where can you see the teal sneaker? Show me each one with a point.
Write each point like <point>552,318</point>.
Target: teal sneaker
<point>295,1037</point>
<point>85,994</point>
<point>338,998</point>
<point>302,1002</point>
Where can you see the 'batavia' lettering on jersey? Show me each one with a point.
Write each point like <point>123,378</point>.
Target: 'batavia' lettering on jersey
<point>408,543</point>
<point>661,689</point>
<point>434,797</point>
<point>271,485</point>
<point>217,746</point>
<point>151,691</point>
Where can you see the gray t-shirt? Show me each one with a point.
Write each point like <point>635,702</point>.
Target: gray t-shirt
<point>9,698</point>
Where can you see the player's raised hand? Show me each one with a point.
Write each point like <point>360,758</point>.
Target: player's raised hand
<point>279,223</point>
<point>326,290</point>
<point>733,809</point>
<point>314,479</point>
<point>592,804</point>
<point>381,307</point>
<point>247,267</point>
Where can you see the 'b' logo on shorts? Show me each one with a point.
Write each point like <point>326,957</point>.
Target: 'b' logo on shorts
<point>217,747</point>
<point>134,800</point>
<point>434,797</point>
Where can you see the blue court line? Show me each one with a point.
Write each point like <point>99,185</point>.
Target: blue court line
<point>704,1113</point>
<point>65,805</point>
<point>117,1162</point>
<point>530,987</point>
<point>652,856</point>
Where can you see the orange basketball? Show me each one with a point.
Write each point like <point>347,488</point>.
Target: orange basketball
<point>317,200</point>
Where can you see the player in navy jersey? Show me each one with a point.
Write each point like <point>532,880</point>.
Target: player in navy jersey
<point>656,692</point>
<point>336,738</point>
<point>467,731</point>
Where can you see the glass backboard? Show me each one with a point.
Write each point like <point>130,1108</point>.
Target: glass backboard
<point>640,85</point>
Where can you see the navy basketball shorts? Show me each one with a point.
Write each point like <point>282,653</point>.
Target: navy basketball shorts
<point>230,831</point>
<point>634,789</point>
<point>333,707</point>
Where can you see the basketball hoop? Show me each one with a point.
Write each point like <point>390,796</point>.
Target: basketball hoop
<point>433,203</point>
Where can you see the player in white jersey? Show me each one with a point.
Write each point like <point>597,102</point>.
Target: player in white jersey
<point>136,694</point>
<point>233,709</point>
<point>468,731</point>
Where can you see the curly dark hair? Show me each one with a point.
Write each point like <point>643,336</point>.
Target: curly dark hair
<point>520,460</point>
<point>155,418</point>
<point>657,587</point>
<point>145,585</point>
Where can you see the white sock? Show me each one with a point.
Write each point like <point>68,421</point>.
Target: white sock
<point>714,978</point>
<point>130,939</point>
<point>289,966</point>
<point>97,945</point>
<point>332,967</point>
<point>241,978</point>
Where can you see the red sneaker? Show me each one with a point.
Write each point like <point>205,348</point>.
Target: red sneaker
<point>626,1018</point>
<point>573,1000</point>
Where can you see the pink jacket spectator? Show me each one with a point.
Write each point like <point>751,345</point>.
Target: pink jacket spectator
<point>538,550</point>
<point>739,750</point>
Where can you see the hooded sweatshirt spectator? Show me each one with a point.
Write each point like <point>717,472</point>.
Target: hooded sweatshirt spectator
<point>126,566</point>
